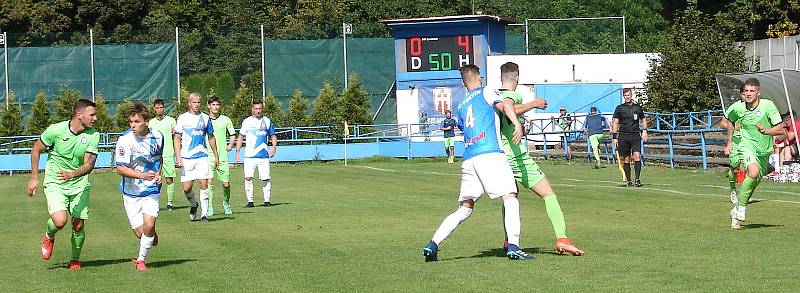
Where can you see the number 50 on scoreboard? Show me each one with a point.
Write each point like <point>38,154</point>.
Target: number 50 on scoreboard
<point>439,53</point>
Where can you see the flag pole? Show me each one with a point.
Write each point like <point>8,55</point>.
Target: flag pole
<point>346,134</point>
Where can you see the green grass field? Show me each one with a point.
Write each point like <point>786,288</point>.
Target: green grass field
<point>362,228</point>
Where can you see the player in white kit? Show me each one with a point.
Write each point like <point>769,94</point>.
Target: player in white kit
<point>138,160</point>
<point>256,130</point>
<point>191,132</point>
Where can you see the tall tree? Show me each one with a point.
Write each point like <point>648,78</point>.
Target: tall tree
<point>225,86</point>
<point>326,107</point>
<point>104,122</point>
<point>354,106</point>
<point>296,114</point>
<point>273,109</point>
<point>40,115</point>
<point>121,117</point>
<point>242,102</point>
<point>694,50</point>
<point>11,118</point>
<point>65,100</point>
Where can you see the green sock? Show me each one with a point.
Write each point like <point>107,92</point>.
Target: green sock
<point>226,196</point>
<point>596,153</point>
<point>731,180</point>
<point>555,215</point>
<point>211,196</point>
<point>748,186</point>
<point>77,243</point>
<point>51,229</point>
<point>170,193</point>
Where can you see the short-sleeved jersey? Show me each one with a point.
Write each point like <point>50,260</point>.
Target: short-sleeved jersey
<point>479,123</point>
<point>194,130</point>
<point>65,152</point>
<point>764,114</point>
<point>165,126</point>
<point>256,133</point>
<point>629,118</point>
<point>142,154</point>
<point>224,129</point>
<point>449,123</point>
<point>595,123</point>
<point>564,122</point>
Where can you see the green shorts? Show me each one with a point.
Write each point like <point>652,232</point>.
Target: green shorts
<point>168,167</point>
<point>223,173</point>
<point>77,204</point>
<point>595,139</point>
<point>526,171</point>
<point>735,157</point>
<point>748,157</point>
<point>449,142</point>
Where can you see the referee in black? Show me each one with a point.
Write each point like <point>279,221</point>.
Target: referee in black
<point>628,136</point>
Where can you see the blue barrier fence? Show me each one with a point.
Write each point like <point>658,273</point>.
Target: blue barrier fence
<point>412,141</point>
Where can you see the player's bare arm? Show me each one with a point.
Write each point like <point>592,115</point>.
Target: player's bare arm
<point>33,184</point>
<point>88,165</point>
<point>772,131</point>
<point>238,147</point>
<point>231,141</point>
<point>213,143</point>
<point>728,126</point>
<point>644,129</point>
<point>537,103</point>
<point>176,145</point>
<point>274,139</point>
<point>614,127</point>
<point>507,106</point>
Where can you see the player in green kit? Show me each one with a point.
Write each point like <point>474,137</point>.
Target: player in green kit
<point>224,136</point>
<point>72,150</point>
<point>526,171</point>
<point>165,125</point>
<point>734,156</point>
<point>759,120</point>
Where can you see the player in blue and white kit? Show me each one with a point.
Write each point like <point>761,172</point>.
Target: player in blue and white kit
<point>138,160</point>
<point>257,129</point>
<point>192,130</point>
<point>485,168</point>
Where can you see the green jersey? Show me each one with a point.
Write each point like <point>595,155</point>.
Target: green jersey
<point>65,152</point>
<point>223,128</point>
<point>506,127</point>
<point>764,114</point>
<point>165,125</point>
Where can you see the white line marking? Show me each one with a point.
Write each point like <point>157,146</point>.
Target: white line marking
<point>431,172</point>
<point>379,169</point>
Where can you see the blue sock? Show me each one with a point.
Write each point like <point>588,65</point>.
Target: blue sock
<point>513,247</point>
<point>432,246</point>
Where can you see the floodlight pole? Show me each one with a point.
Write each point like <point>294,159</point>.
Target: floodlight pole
<point>177,65</point>
<point>624,44</point>
<point>263,71</point>
<point>91,59</point>
<point>5,66</point>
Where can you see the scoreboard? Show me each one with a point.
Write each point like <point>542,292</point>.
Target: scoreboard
<point>441,53</point>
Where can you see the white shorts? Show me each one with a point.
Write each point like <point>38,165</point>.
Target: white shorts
<point>194,169</point>
<point>250,165</point>
<point>137,207</point>
<point>486,173</point>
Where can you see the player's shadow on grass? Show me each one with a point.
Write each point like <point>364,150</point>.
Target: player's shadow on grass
<point>175,208</point>
<point>214,219</point>
<point>278,204</point>
<point>499,252</point>
<point>757,226</point>
<point>94,263</point>
<point>164,263</point>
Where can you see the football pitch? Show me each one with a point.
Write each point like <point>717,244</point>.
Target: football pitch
<point>362,228</point>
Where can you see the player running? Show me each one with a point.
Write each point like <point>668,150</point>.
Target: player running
<point>256,129</point>
<point>224,136</point>
<point>138,158</point>
<point>190,134</point>
<point>526,171</point>
<point>72,150</point>
<point>760,120</point>
<point>484,167</point>
<point>165,124</point>
<point>734,156</point>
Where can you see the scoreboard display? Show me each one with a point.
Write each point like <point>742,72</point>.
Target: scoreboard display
<point>441,53</point>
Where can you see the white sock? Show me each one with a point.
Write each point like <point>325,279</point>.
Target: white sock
<point>190,198</point>
<point>450,224</point>
<point>203,202</point>
<point>144,246</point>
<point>248,190</point>
<point>775,160</point>
<point>266,186</point>
<point>511,220</point>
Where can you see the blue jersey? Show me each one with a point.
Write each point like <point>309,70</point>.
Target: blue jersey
<point>194,130</point>
<point>595,123</point>
<point>449,122</point>
<point>478,121</point>
<point>142,154</point>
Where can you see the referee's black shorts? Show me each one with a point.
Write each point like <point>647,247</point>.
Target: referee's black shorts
<point>628,143</point>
